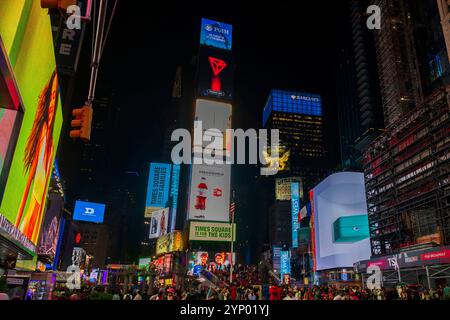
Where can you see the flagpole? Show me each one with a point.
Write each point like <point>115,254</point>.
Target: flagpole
<point>232,241</point>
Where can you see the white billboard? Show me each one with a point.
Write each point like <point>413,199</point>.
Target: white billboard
<point>210,192</point>
<point>158,224</point>
<point>340,224</point>
<point>212,115</point>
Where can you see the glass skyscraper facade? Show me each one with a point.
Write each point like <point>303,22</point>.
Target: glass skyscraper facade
<point>298,117</point>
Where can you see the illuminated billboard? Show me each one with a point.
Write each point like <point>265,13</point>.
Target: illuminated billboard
<point>27,37</point>
<point>209,196</point>
<point>215,74</point>
<point>209,261</point>
<point>89,212</point>
<point>283,188</point>
<point>285,264</point>
<point>158,223</point>
<point>211,231</point>
<point>48,240</point>
<point>174,189</point>
<point>216,34</point>
<point>212,115</point>
<point>295,210</point>
<point>292,102</point>
<point>339,221</point>
<point>158,187</point>
<point>171,242</point>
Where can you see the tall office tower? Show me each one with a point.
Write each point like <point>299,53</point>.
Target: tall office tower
<point>358,97</point>
<point>298,117</point>
<point>407,168</point>
<point>397,60</point>
<point>210,182</point>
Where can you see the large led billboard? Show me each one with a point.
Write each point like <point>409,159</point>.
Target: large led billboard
<point>295,209</point>
<point>89,212</point>
<point>210,261</point>
<point>215,74</point>
<point>158,223</point>
<point>158,187</point>
<point>216,34</point>
<point>209,196</point>
<point>339,221</point>
<point>174,189</point>
<point>48,240</point>
<point>212,115</point>
<point>283,188</point>
<point>26,32</point>
<point>285,263</point>
<point>211,231</point>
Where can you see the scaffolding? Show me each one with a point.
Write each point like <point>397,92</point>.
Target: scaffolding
<point>407,179</point>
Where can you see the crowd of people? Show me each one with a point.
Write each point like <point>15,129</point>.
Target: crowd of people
<point>247,284</point>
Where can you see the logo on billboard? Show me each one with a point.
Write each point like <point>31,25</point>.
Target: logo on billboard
<point>217,65</point>
<point>216,34</point>
<point>89,212</point>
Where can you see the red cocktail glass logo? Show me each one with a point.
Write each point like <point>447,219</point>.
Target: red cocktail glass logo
<point>217,67</point>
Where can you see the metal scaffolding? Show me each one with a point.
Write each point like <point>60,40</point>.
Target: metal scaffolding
<point>407,178</point>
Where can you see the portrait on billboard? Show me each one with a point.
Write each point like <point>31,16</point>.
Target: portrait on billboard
<point>38,161</point>
<point>158,223</point>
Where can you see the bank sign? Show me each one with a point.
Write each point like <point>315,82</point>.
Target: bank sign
<point>211,231</point>
<point>216,34</point>
<point>89,212</point>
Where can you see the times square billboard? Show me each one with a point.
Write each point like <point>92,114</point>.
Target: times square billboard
<point>215,74</point>
<point>340,226</point>
<point>28,139</point>
<point>216,34</point>
<point>158,188</point>
<point>209,196</point>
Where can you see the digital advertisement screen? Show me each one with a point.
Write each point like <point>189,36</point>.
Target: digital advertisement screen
<point>339,204</point>
<point>25,193</point>
<point>158,224</point>
<point>213,115</point>
<point>283,188</point>
<point>216,34</point>
<point>215,74</point>
<point>174,189</point>
<point>211,231</point>
<point>89,212</point>
<point>285,263</point>
<point>209,261</point>
<point>158,187</point>
<point>210,192</point>
<point>48,240</point>
<point>295,209</point>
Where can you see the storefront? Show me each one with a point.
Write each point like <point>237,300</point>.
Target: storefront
<point>428,266</point>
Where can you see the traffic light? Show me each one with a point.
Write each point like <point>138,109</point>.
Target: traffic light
<point>57,4</point>
<point>82,123</point>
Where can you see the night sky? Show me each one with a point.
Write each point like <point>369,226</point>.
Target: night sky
<point>287,45</point>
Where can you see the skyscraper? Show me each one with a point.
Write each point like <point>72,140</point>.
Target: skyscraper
<point>407,167</point>
<point>298,117</point>
<point>358,96</point>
